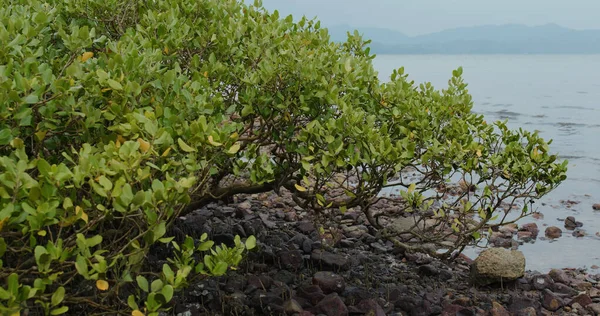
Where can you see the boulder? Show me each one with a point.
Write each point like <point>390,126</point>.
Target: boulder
<point>596,207</point>
<point>497,264</point>
<point>553,232</point>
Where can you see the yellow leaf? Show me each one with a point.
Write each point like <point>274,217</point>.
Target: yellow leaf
<point>102,285</point>
<point>411,188</point>
<point>86,56</point>
<point>41,135</point>
<point>206,74</point>
<point>2,222</point>
<point>17,143</point>
<point>166,50</point>
<point>144,145</point>
<point>166,152</point>
<point>41,233</point>
<point>120,139</point>
<point>300,188</point>
<point>137,313</point>
<point>235,135</point>
<point>213,142</point>
<point>84,216</point>
<point>478,153</point>
<point>234,149</point>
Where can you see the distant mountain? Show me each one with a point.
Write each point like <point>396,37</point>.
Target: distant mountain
<point>339,34</point>
<point>489,39</point>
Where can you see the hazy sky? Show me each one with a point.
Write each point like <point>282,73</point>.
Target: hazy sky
<point>424,16</point>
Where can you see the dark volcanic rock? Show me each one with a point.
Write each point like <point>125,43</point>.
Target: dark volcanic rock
<point>368,307</point>
<point>332,305</point>
<point>329,282</point>
<point>312,293</point>
<point>324,259</point>
<point>541,281</point>
<point>519,303</point>
<point>429,270</point>
<point>291,259</point>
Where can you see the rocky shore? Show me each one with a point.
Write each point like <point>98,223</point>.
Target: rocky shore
<point>340,267</point>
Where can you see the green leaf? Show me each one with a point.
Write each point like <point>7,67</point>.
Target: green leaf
<point>142,282</point>
<point>58,296</point>
<point>250,242</point>
<point>32,99</point>
<point>167,292</point>
<point>59,311</point>
<point>168,272</point>
<point>219,269</point>
<point>13,284</point>
<point>131,302</point>
<point>206,245</point>
<point>82,267</point>
<point>114,84</point>
<point>185,147</point>
<point>156,285</point>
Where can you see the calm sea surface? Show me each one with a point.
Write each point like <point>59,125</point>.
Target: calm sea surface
<point>559,95</point>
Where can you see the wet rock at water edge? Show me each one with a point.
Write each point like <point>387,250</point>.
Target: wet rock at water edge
<point>571,223</point>
<point>596,207</point>
<point>497,264</point>
<point>553,232</point>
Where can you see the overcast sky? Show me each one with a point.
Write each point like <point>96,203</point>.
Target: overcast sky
<point>414,17</point>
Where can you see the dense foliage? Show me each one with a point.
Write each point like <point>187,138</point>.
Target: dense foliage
<point>116,117</point>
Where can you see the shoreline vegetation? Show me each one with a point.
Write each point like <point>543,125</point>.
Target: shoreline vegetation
<point>205,157</point>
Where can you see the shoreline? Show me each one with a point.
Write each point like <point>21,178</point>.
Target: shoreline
<point>342,269</point>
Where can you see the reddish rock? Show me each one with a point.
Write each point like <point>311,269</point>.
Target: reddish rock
<point>559,276</point>
<point>332,305</point>
<point>596,207</point>
<point>525,236</point>
<point>452,310</point>
<point>553,232</point>
<point>498,310</point>
<point>329,282</point>
<point>581,299</point>
<point>551,301</point>
<point>532,228</point>
<point>529,311</point>
<point>312,293</point>
<point>508,229</point>
<point>370,307</point>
